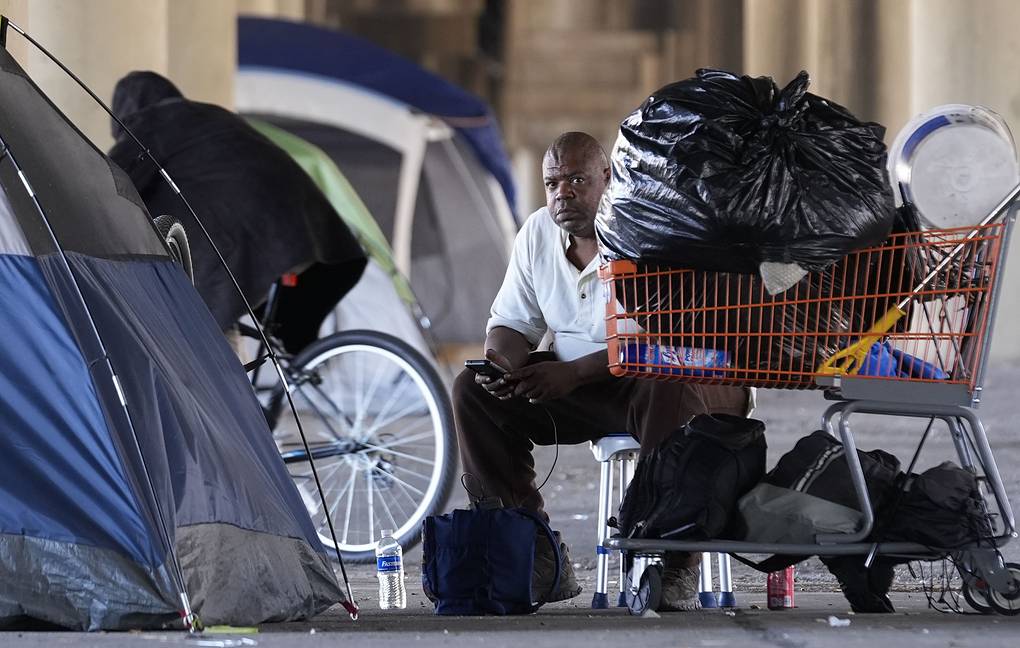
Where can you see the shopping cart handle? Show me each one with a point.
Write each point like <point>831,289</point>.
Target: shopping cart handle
<point>849,361</point>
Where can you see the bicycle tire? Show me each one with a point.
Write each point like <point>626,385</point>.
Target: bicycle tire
<point>175,237</point>
<point>442,479</point>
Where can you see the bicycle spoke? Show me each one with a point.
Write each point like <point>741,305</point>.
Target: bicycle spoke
<point>325,474</point>
<point>382,500</point>
<point>404,483</point>
<point>350,504</point>
<point>340,494</point>
<point>384,411</point>
<point>322,417</point>
<point>357,380</point>
<point>370,396</point>
<point>406,440</point>
<point>396,453</point>
<point>404,489</point>
<point>371,505</point>
<point>329,399</point>
<point>403,511</point>
<point>357,387</point>
<point>377,424</point>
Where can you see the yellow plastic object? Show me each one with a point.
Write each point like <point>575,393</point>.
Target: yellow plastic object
<point>850,360</point>
<point>226,629</point>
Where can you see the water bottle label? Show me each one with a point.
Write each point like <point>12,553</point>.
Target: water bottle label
<point>387,563</point>
<point>678,361</point>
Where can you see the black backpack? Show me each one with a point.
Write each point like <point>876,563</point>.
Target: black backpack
<point>817,466</point>
<point>688,486</point>
<point>942,507</point>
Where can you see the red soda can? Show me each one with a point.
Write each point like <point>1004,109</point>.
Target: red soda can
<point>779,589</point>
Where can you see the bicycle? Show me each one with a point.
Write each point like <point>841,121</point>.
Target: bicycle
<point>378,422</point>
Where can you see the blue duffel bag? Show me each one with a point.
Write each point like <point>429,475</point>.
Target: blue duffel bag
<point>479,561</point>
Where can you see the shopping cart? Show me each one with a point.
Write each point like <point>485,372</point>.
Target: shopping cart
<point>902,329</point>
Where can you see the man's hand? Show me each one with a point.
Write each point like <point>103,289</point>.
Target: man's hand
<point>501,388</point>
<point>545,381</point>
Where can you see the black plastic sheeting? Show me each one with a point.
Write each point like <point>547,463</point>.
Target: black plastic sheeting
<point>724,172</point>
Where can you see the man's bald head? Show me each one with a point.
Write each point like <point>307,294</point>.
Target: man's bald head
<point>582,144</point>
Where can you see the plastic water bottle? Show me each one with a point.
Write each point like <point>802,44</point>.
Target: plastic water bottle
<point>389,566</point>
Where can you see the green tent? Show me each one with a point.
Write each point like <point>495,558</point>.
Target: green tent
<point>367,305</point>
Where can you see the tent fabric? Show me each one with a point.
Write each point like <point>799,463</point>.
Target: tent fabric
<point>314,50</point>
<point>79,586</point>
<point>287,569</point>
<point>130,440</point>
<point>458,258</point>
<point>100,196</point>
<point>341,195</point>
<point>50,406</point>
<point>382,300</point>
<point>263,212</point>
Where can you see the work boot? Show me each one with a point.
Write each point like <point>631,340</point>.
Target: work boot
<point>680,588</point>
<point>543,571</point>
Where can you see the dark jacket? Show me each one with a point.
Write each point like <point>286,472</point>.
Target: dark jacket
<point>264,213</point>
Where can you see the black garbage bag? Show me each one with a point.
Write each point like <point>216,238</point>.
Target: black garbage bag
<point>724,172</point>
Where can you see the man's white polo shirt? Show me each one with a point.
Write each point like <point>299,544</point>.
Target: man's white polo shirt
<point>543,291</point>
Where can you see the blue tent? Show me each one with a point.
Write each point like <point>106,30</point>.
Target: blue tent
<point>139,482</point>
<point>323,52</point>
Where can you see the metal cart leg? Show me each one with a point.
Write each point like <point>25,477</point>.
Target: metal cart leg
<point>599,599</point>
<point>726,597</point>
<point>626,473</point>
<point>706,593</point>
<point>856,475</point>
<point>991,471</point>
<point>960,441</point>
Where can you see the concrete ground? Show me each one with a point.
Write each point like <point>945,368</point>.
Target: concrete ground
<point>571,498</point>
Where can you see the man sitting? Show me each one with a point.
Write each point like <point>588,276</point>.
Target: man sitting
<point>567,396</point>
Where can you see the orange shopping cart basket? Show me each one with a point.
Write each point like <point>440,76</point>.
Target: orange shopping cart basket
<point>916,309</point>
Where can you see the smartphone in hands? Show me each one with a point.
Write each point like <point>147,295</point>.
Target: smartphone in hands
<point>486,367</point>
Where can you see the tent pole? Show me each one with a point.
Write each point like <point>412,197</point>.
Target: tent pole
<point>191,622</point>
<point>350,605</point>
<point>407,194</point>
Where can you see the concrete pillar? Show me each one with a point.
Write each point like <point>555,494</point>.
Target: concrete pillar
<point>202,49</point>
<point>100,41</point>
<point>704,33</point>
<point>778,37</point>
<point>190,41</point>
<point>856,51</point>
<point>967,53</point>
<point>17,11</point>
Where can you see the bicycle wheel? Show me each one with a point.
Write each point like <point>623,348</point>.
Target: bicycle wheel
<point>176,240</point>
<point>380,427</point>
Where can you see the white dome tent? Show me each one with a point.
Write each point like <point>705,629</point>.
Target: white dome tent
<point>424,156</point>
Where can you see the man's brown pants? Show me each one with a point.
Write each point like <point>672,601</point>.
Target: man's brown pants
<point>497,436</point>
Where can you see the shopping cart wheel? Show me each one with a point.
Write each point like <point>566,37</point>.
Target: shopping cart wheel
<point>649,593</point>
<point>976,596</point>
<point>1007,602</point>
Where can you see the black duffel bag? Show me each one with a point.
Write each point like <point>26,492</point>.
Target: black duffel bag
<point>688,486</point>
